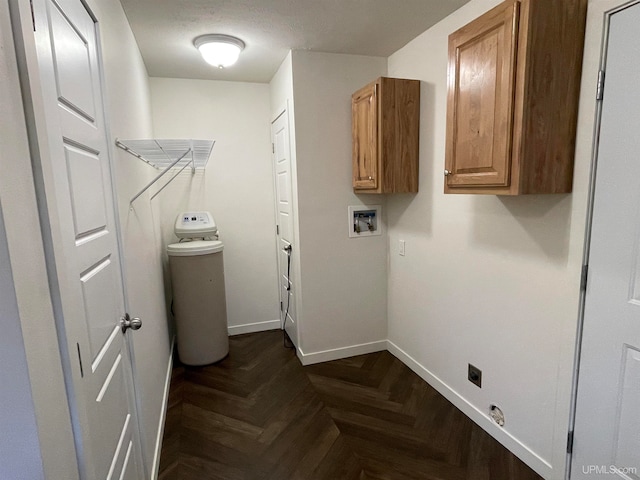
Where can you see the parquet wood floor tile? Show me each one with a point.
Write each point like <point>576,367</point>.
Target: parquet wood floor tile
<point>260,415</point>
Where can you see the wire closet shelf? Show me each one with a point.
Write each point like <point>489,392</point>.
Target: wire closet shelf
<point>166,155</point>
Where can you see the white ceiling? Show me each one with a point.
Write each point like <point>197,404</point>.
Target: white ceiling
<point>165,30</point>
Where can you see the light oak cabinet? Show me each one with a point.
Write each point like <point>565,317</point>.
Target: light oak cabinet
<point>513,87</point>
<point>385,128</point>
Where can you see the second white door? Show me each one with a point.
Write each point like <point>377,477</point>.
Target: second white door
<point>284,219</point>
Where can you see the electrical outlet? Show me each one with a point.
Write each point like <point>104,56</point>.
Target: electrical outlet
<point>401,247</point>
<point>496,415</point>
<point>475,375</point>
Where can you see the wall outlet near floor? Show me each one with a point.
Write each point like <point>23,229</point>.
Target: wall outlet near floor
<point>496,415</point>
<point>475,375</point>
<point>401,247</point>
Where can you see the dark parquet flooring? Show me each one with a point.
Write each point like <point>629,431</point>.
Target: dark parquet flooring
<point>260,415</point>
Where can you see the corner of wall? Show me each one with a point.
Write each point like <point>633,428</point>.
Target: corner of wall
<point>334,273</point>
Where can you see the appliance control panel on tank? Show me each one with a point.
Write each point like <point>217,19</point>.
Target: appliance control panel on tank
<point>195,224</point>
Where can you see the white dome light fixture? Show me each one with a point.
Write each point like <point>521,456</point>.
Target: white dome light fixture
<point>219,50</point>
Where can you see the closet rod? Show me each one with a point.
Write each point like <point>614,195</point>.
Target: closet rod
<point>160,176</point>
<point>171,180</point>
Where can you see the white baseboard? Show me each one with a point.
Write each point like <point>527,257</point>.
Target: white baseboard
<point>155,467</point>
<point>344,352</point>
<point>482,419</point>
<point>254,327</point>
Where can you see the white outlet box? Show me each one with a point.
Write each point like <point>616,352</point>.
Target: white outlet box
<point>365,220</point>
<point>401,247</point>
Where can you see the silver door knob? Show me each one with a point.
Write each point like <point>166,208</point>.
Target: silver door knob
<point>127,322</point>
<point>447,173</point>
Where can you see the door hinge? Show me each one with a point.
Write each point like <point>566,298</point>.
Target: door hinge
<point>583,278</point>
<point>600,88</point>
<point>570,442</point>
<point>273,148</point>
<point>33,17</point>
<point>277,229</point>
<point>280,306</point>
<point>80,361</point>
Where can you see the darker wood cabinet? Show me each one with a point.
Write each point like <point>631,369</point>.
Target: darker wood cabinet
<point>385,128</point>
<point>513,86</point>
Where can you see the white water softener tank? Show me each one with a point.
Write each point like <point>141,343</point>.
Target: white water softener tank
<point>197,281</point>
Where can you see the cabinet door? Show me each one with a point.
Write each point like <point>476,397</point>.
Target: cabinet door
<point>364,106</point>
<point>482,62</point>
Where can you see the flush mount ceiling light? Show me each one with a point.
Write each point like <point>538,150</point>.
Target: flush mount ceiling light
<point>219,50</point>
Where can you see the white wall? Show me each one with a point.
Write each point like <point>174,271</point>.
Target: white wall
<point>281,88</point>
<point>19,444</point>
<point>487,280</point>
<point>236,186</point>
<point>343,306</point>
<point>129,116</point>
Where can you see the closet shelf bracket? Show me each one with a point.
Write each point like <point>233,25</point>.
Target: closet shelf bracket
<point>165,155</point>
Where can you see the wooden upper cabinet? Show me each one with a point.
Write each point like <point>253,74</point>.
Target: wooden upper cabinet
<point>513,87</point>
<point>364,106</point>
<point>385,128</point>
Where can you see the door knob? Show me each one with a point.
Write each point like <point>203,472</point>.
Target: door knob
<point>447,173</point>
<point>127,322</point>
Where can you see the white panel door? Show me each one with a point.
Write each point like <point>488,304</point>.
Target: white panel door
<point>76,200</point>
<point>607,429</point>
<point>284,219</point>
